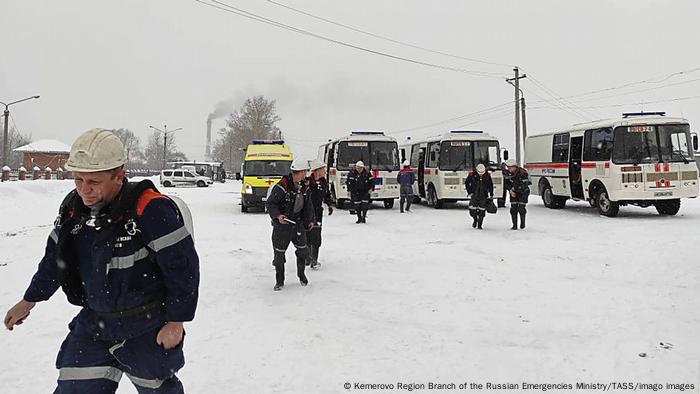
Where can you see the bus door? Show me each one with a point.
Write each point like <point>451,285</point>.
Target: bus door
<point>575,179</point>
<point>421,172</point>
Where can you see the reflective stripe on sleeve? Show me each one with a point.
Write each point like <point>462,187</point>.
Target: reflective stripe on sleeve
<point>169,239</point>
<point>54,236</point>
<point>88,373</point>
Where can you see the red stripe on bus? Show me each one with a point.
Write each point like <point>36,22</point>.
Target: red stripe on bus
<point>547,165</point>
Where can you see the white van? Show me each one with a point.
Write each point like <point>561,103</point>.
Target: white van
<point>179,176</point>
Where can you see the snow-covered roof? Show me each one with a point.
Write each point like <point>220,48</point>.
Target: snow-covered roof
<point>47,146</point>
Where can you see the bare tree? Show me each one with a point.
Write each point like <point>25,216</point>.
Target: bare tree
<point>132,144</point>
<point>256,119</point>
<point>16,139</point>
<point>154,151</point>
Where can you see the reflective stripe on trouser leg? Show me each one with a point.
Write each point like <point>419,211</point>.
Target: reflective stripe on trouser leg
<point>87,373</point>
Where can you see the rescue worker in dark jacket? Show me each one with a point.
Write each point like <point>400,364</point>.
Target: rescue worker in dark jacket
<point>124,253</point>
<point>292,216</point>
<point>479,186</point>
<point>517,183</point>
<point>405,179</point>
<point>319,194</point>
<point>360,184</point>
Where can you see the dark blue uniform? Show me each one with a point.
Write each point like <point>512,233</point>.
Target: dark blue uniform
<point>406,178</point>
<point>519,184</point>
<point>292,202</point>
<point>319,194</point>
<point>480,189</point>
<point>132,267</point>
<point>360,184</point>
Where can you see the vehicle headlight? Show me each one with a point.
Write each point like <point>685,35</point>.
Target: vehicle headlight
<point>248,188</point>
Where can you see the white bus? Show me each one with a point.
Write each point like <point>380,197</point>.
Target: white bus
<point>442,164</point>
<point>379,152</point>
<point>643,159</point>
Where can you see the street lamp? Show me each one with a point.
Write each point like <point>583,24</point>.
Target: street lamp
<point>165,139</point>
<point>5,141</point>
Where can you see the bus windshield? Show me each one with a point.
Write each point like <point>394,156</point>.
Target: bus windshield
<point>487,153</point>
<point>455,156</point>
<point>652,144</point>
<point>377,155</point>
<point>266,167</point>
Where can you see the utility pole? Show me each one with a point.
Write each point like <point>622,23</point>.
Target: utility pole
<point>165,140</point>
<point>516,83</point>
<point>5,135</point>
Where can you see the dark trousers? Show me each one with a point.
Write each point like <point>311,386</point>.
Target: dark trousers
<point>518,207</point>
<point>282,235</point>
<point>361,205</point>
<point>406,197</point>
<point>477,209</point>
<point>90,365</point>
<point>314,236</point>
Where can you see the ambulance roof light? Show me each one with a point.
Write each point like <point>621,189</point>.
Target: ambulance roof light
<point>630,114</point>
<point>267,142</point>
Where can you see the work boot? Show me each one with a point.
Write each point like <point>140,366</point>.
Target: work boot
<point>401,207</point>
<point>359,220</point>
<point>474,223</point>
<point>514,217</point>
<point>278,286</point>
<point>522,220</point>
<point>302,279</point>
<point>480,222</point>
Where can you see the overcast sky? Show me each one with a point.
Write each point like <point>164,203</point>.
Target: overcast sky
<point>134,63</point>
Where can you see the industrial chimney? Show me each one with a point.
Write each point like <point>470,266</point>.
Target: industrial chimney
<point>208,152</point>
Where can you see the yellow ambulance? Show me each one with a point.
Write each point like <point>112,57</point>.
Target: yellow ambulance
<point>265,163</point>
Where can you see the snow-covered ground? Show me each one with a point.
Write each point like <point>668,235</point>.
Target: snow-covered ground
<point>413,298</point>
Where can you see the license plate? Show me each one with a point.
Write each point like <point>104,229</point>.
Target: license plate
<point>375,195</point>
<point>663,194</point>
<point>264,199</point>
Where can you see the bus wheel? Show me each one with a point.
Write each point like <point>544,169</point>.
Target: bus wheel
<point>244,208</point>
<point>201,184</point>
<point>433,199</point>
<point>388,204</point>
<point>167,184</point>
<point>605,206</point>
<point>548,198</point>
<point>668,207</point>
<point>416,199</point>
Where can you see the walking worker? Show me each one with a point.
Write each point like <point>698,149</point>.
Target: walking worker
<point>319,194</point>
<point>517,183</point>
<point>479,186</point>
<point>124,253</point>
<point>405,179</point>
<point>360,184</point>
<point>292,216</point>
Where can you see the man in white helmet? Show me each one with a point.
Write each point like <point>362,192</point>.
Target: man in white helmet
<point>121,251</point>
<point>405,179</point>
<point>360,184</point>
<point>319,194</point>
<point>292,216</point>
<point>517,184</point>
<point>480,189</point>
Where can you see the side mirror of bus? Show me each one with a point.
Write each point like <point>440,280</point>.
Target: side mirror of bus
<point>505,154</point>
<point>695,142</point>
<point>238,176</point>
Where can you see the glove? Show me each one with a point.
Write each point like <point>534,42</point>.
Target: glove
<point>281,218</point>
<point>330,210</point>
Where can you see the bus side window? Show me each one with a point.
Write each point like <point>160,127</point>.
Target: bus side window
<point>560,148</point>
<point>597,144</point>
<point>415,156</point>
<point>433,156</point>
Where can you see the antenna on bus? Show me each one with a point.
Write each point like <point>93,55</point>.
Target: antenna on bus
<point>630,114</point>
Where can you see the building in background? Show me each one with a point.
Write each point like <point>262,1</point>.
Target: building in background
<point>44,153</point>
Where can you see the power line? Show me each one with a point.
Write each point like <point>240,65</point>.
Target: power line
<point>628,104</point>
<point>385,38</point>
<point>580,113</point>
<point>249,15</point>
<point>499,107</point>
<point>639,91</point>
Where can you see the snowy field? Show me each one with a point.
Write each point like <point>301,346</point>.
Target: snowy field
<point>411,298</point>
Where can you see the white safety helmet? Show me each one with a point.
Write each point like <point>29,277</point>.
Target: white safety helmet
<point>96,150</point>
<point>317,164</point>
<point>406,163</point>
<point>360,164</point>
<point>300,165</point>
<point>511,163</point>
<point>480,169</point>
